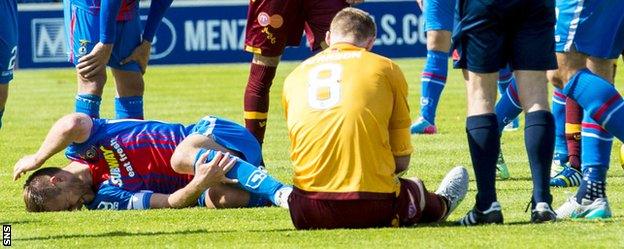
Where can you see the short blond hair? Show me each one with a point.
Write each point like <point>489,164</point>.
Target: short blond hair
<point>352,23</point>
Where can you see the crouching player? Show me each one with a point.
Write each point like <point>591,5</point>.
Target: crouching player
<point>108,32</point>
<point>133,164</point>
<point>349,127</point>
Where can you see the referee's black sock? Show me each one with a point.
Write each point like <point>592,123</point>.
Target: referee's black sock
<point>484,144</point>
<point>539,140</point>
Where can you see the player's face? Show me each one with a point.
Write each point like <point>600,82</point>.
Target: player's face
<point>74,194</point>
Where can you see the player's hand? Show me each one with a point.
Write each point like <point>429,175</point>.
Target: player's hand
<point>420,4</point>
<point>27,163</point>
<point>140,55</point>
<point>213,172</point>
<point>352,2</point>
<point>93,63</point>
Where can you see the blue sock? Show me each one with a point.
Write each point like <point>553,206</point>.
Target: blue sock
<point>433,80</point>
<point>257,201</point>
<point>539,139</point>
<point>129,107</point>
<point>505,77</point>
<point>250,178</point>
<point>1,114</point>
<point>593,183</point>
<point>595,155</point>
<point>508,107</point>
<point>88,104</point>
<point>600,99</point>
<point>484,145</point>
<point>559,113</point>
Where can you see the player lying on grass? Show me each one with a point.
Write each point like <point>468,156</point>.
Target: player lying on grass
<point>349,127</point>
<point>133,164</point>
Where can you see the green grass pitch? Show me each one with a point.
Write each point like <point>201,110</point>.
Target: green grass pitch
<point>186,93</point>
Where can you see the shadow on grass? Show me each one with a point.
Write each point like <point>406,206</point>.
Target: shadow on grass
<point>455,224</point>
<point>132,234</point>
<point>4,222</point>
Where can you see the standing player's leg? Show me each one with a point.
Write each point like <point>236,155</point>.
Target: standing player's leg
<point>484,144</point>
<point>261,74</point>
<point>538,133</point>
<point>129,99</point>
<point>558,106</point>
<point>532,46</point>
<point>82,33</point>
<point>477,40</point>
<point>4,95</point>
<point>596,141</point>
<point>574,117</point>
<point>587,135</point>
<point>438,25</point>
<point>7,63</point>
<point>269,24</point>
<point>128,77</point>
<point>505,79</point>
<point>8,49</point>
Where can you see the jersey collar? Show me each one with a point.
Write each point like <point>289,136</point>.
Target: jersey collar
<point>341,46</point>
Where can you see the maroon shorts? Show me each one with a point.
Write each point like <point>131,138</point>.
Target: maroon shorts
<point>274,24</point>
<point>405,210</point>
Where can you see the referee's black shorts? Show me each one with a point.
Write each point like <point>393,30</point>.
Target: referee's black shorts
<point>492,33</point>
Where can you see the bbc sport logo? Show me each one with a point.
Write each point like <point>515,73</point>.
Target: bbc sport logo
<point>6,235</point>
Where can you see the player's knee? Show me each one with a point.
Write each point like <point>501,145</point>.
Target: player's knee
<point>554,78</point>
<point>181,162</point>
<point>93,85</point>
<point>74,121</point>
<point>439,40</point>
<point>271,61</point>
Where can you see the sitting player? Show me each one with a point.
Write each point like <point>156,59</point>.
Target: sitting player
<point>133,164</point>
<point>349,128</point>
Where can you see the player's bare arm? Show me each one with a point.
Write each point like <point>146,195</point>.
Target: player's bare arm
<point>142,52</point>
<point>140,55</point>
<point>73,128</point>
<point>93,63</point>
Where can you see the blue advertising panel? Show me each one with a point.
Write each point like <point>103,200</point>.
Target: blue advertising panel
<point>209,32</point>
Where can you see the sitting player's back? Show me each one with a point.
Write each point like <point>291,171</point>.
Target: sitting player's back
<point>342,106</point>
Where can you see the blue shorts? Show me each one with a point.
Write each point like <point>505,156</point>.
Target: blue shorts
<point>82,29</point>
<point>492,33</point>
<point>439,14</point>
<point>8,39</point>
<point>232,136</point>
<point>595,28</point>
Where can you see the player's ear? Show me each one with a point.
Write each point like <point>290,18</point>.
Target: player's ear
<point>370,43</point>
<point>55,179</point>
<point>327,39</point>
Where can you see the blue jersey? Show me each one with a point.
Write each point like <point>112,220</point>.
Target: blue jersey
<point>8,39</point>
<point>595,28</point>
<point>129,159</point>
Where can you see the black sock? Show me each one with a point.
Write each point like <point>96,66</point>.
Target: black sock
<point>484,144</point>
<point>539,140</point>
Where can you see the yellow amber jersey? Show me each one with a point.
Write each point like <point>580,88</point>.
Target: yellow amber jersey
<point>347,117</point>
